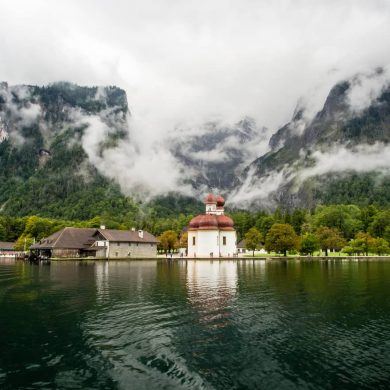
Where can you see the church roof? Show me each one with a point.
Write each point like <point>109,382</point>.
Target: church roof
<point>211,222</point>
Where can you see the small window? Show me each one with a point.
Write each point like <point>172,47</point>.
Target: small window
<point>193,240</point>
<point>116,254</point>
<point>137,243</point>
<point>129,243</point>
<point>224,240</point>
<point>118,243</point>
<point>151,245</point>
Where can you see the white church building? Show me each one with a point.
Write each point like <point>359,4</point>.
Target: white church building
<point>212,234</point>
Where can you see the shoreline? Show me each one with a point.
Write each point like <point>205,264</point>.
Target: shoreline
<point>265,258</point>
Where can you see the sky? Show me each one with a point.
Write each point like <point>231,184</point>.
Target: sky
<point>183,63</point>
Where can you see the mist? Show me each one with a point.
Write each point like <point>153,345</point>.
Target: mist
<point>184,64</point>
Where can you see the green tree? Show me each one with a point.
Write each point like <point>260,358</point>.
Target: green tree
<point>380,246</point>
<point>349,250</point>
<point>368,214</point>
<point>168,240</point>
<point>24,242</point>
<point>330,238</point>
<point>298,218</point>
<point>309,244</point>
<point>364,241</point>
<point>253,239</point>
<point>3,231</point>
<point>345,218</point>
<point>266,224</point>
<point>281,238</point>
<point>380,223</point>
<point>243,221</point>
<point>184,240</point>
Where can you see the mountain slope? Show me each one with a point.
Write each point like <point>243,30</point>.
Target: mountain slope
<point>300,159</point>
<point>53,138</point>
<point>45,169</point>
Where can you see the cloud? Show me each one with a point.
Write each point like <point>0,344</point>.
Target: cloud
<point>362,158</point>
<point>366,88</point>
<point>339,159</point>
<point>184,64</point>
<point>257,190</point>
<point>140,173</point>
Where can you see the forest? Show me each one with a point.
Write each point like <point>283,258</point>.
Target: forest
<point>327,227</point>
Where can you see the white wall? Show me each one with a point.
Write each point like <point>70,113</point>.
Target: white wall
<point>230,248</point>
<point>211,241</point>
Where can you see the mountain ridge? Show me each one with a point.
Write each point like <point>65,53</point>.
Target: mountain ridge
<point>48,168</point>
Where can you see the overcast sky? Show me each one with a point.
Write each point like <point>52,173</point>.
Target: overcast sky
<point>185,62</point>
<point>196,60</point>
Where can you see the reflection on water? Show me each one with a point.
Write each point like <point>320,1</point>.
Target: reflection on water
<point>195,324</point>
<point>211,289</point>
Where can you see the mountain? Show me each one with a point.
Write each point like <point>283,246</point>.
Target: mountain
<point>321,160</point>
<point>53,140</point>
<point>215,154</point>
<point>44,168</point>
<point>50,139</point>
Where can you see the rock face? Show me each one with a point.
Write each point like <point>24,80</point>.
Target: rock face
<point>217,154</point>
<point>46,165</point>
<point>337,126</point>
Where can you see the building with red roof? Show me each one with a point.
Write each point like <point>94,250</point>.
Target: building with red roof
<point>212,234</point>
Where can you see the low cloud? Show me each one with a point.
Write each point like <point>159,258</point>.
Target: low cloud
<point>366,88</point>
<point>362,158</point>
<point>182,67</point>
<point>262,190</point>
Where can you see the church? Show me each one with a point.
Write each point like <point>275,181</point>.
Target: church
<point>212,234</point>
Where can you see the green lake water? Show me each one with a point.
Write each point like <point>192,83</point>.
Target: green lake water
<point>195,324</point>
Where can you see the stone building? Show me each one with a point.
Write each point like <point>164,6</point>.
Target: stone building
<point>73,242</point>
<point>124,243</point>
<point>212,234</point>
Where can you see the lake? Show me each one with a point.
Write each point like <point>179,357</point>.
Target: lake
<point>195,324</point>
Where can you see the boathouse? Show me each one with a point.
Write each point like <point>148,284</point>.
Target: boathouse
<point>7,248</point>
<point>73,242</point>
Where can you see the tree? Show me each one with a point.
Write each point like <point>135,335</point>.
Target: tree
<point>349,250</point>
<point>266,224</point>
<point>168,240</point>
<point>345,218</point>
<point>309,244</point>
<point>380,246</point>
<point>24,242</point>
<point>364,241</point>
<point>330,238</point>
<point>3,232</point>
<point>243,220</point>
<point>386,236</point>
<point>253,239</point>
<point>184,240</point>
<point>281,238</point>
<point>380,223</point>
<point>298,218</point>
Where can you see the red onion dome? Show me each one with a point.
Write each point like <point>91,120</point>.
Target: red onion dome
<point>224,222</point>
<point>208,221</point>
<point>194,223</point>
<point>220,201</point>
<point>210,198</point>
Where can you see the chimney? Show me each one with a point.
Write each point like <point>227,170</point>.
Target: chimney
<point>102,227</point>
<point>140,233</point>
